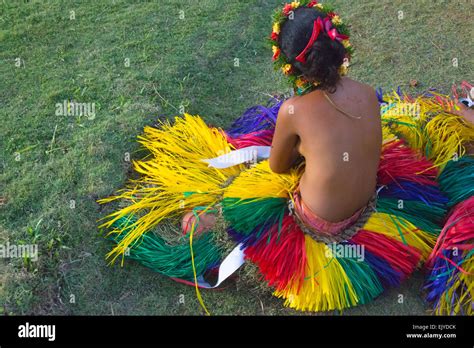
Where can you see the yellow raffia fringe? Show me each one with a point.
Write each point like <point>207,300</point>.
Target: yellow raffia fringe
<point>408,124</point>
<point>196,286</point>
<point>260,182</point>
<point>387,134</point>
<point>433,129</point>
<point>447,136</point>
<point>326,287</point>
<point>462,288</point>
<point>174,179</point>
<point>402,230</point>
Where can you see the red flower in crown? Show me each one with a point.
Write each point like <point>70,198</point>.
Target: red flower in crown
<point>276,53</point>
<point>274,36</point>
<point>331,15</point>
<point>287,9</point>
<point>312,3</point>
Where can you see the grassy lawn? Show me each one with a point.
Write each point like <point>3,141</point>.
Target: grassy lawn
<point>139,61</point>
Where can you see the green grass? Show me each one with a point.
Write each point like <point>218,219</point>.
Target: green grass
<point>173,62</point>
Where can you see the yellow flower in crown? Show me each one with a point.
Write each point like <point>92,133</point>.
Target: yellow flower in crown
<point>320,6</point>
<point>276,28</point>
<point>336,20</point>
<point>343,69</point>
<point>286,69</point>
<point>295,4</point>
<point>300,82</point>
<point>346,43</point>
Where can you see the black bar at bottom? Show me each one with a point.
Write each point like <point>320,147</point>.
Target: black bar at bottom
<point>291,330</point>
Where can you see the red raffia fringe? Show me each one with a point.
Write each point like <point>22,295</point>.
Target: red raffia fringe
<point>400,162</point>
<point>282,259</point>
<point>401,257</point>
<point>259,138</point>
<point>458,231</point>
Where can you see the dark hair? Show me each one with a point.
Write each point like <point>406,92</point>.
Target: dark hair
<point>323,59</point>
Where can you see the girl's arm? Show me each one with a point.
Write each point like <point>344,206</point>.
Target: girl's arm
<point>284,152</point>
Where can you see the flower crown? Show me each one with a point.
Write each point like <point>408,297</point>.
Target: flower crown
<point>331,24</point>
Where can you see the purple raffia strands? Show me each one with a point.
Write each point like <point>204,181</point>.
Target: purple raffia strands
<point>438,281</point>
<point>256,118</point>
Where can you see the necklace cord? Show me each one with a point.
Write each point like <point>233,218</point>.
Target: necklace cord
<point>339,109</point>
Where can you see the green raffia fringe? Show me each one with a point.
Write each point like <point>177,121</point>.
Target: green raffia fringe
<point>457,180</point>
<point>363,278</point>
<point>428,218</point>
<point>245,215</point>
<point>173,261</point>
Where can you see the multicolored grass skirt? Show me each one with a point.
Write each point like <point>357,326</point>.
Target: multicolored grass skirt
<point>442,137</point>
<point>255,203</point>
<point>450,283</point>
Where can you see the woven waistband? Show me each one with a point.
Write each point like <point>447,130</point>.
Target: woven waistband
<point>346,233</point>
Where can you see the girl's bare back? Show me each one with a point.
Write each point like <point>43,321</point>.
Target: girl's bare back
<point>341,153</point>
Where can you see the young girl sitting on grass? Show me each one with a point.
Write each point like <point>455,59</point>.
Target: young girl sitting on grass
<point>334,124</point>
